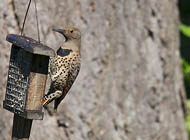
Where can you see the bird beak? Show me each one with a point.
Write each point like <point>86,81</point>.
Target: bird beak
<point>62,31</point>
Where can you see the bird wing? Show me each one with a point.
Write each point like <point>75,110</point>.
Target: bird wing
<point>73,73</point>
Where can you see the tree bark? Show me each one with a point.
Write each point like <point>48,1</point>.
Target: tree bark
<point>130,84</point>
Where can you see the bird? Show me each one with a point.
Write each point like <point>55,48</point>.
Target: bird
<point>64,66</point>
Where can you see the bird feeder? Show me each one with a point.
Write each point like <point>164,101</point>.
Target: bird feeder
<point>27,74</point>
<point>28,69</point>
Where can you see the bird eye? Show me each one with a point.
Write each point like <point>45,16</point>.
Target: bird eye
<point>71,31</point>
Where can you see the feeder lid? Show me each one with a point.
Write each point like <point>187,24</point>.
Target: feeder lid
<point>30,45</point>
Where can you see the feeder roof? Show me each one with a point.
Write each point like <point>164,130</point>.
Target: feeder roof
<point>30,45</point>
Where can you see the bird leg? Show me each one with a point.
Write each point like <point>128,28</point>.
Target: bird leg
<point>50,97</point>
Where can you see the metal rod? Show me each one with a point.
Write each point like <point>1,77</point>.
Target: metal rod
<point>25,17</point>
<point>21,128</point>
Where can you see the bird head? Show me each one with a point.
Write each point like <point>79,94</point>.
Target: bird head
<point>69,33</point>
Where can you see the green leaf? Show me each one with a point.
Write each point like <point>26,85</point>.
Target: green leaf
<point>185,29</point>
<point>185,68</point>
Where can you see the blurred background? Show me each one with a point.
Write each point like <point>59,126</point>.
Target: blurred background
<point>184,8</point>
<point>135,63</point>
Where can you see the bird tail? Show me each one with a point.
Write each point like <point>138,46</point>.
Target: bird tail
<point>57,102</point>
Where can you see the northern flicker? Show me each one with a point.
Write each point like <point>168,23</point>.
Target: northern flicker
<point>64,67</point>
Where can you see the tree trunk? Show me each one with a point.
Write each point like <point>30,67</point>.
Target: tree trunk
<point>130,84</point>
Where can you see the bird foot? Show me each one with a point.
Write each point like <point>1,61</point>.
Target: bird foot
<point>45,102</point>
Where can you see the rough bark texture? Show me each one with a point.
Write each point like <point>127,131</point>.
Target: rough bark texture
<point>130,84</point>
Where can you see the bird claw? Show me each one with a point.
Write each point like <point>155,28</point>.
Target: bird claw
<point>45,102</point>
